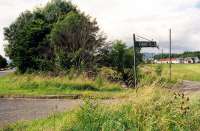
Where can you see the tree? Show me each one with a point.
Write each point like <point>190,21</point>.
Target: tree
<point>29,36</point>
<point>120,58</point>
<point>3,62</point>
<point>75,40</point>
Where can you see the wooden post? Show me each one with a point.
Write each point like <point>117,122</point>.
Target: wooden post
<point>135,72</point>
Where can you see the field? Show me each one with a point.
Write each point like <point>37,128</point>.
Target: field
<point>182,71</point>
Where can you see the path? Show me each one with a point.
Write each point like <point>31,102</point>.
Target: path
<point>12,110</point>
<point>190,86</point>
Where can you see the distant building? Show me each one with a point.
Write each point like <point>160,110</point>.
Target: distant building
<point>166,60</point>
<point>187,60</point>
<point>196,59</point>
<point>191,60</point>
<point>180,60</point>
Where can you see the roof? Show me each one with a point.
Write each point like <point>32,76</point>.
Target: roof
<point>167,59</point>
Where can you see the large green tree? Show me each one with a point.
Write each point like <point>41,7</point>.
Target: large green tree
<point>29,36</point>
<point>75,39</point>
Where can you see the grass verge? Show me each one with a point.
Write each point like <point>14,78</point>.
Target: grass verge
<point>39,85</point>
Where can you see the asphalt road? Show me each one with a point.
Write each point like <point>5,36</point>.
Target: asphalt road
<point>2,73</point>
<point>13,110</point>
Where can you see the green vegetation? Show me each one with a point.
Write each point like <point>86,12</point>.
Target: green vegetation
<point>181,71</point>
<point>38,85</point>
<point>54,36</point>
<point>58,37</point>
<point>183,55</point>
<point>3,62</point>
<point>75,40</point>
<point>120,58</point>
<point>151,108</point>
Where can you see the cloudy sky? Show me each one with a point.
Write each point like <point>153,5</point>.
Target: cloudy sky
<point>119,19</point>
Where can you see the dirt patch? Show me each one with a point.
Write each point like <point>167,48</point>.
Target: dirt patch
<point>189,86</point>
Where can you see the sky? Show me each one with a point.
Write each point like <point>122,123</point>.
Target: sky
<point>119,19</point>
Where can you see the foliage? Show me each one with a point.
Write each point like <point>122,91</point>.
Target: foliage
<point>75,39</point>
<point>35,39</point>
<point>120,58</point>
<point>3,62</point>
<point>110,74</point>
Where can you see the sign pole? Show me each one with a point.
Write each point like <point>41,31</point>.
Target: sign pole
<point>170,51</point>
<point>134,51</point>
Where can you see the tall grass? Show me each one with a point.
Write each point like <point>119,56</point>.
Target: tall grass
<point>34,84</point>
<point>161,110</point>
<point>150,109</point>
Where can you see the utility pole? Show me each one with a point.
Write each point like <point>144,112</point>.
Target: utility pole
<point>170,51</point>
<point>162,56</point>
<point>134,61</point>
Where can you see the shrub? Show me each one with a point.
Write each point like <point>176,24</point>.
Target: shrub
<point>110,74</point>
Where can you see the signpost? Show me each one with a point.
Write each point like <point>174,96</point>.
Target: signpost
<point>141,44</point>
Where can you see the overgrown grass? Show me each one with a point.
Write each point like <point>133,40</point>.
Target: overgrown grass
<point>34,85</point>
<point>181,71</point>
<point>151,108</point>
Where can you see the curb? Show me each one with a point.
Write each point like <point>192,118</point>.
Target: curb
<point>78,96</point>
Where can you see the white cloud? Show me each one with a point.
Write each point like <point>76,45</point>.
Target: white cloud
<point>151,18</point>
<point>119,19</point>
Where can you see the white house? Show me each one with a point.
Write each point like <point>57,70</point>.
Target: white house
<point>191,60</point>
<point>196,59</point>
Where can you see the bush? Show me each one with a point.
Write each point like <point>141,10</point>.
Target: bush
<point>110,74</point>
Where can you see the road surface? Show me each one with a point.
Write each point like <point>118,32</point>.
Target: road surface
<point>2,73</point>
<point>12,110</point>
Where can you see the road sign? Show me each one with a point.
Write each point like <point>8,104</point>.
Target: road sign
<point>142,44</point>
